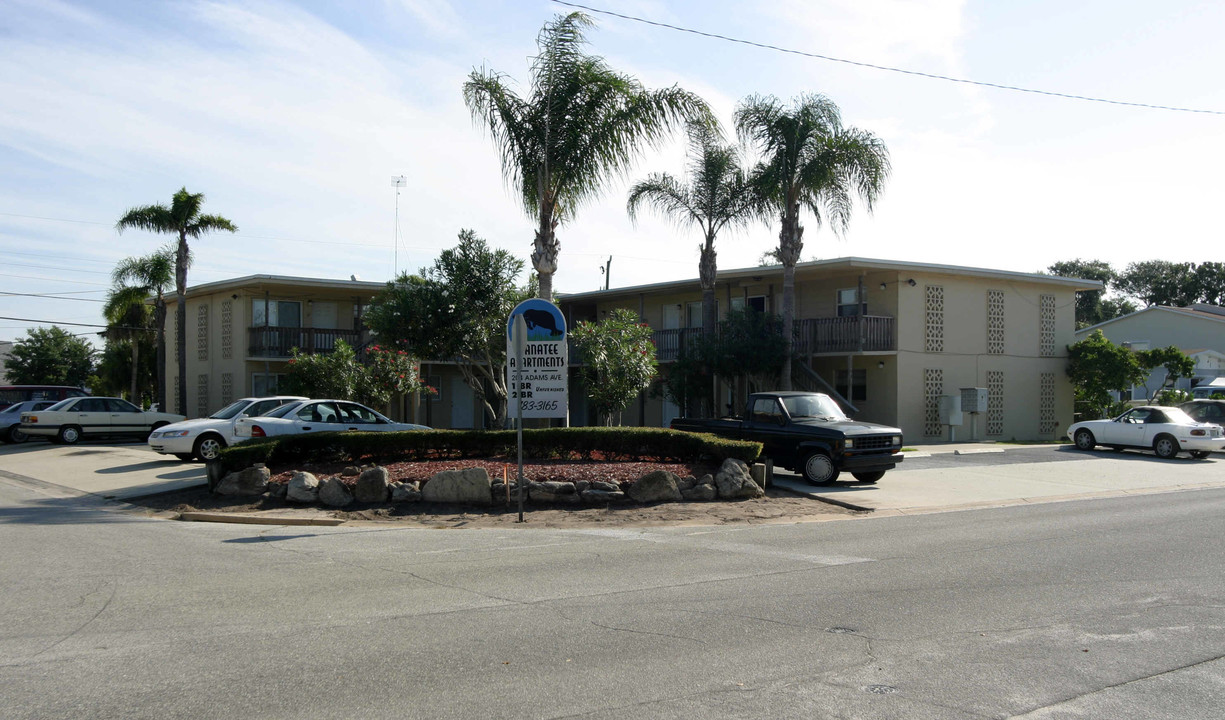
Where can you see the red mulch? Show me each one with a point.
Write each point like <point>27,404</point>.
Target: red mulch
<point>622,473</point>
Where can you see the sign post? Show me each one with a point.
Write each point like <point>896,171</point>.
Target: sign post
<point>537,368</point>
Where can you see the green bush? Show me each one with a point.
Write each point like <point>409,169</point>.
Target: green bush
<point>613,444</point>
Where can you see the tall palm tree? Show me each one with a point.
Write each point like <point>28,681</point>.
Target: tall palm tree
<point>152,275</point>
<point>182,218</point>
<point>128,319</point>
<point>810,162</point>
<point>714,194</point>
<point>581,124</point>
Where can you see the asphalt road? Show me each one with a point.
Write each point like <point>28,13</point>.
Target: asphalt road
<point>1092,609</point>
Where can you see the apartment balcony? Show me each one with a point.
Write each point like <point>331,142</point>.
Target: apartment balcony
<point>276,342</point>
<point>813,336</point>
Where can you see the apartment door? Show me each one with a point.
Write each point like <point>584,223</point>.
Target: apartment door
<point>323,319</point>
<point>462,399</point>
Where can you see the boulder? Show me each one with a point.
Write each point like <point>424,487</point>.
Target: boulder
<point>277,489</point>
<point>581,485</point>
<point>700,493</point>
<point>371,486</point>
<point>351,471</point>
<point>303,487</point>
<point>405,492</point>
<point>733,481</point>
<point>602,497</point>
<point>656,486</point>
<point>333,493</point>
<point>685,483</point>
<point>558,492</point>
<point>605,486</point>
<point>252,481</point>
<point>470,487</point>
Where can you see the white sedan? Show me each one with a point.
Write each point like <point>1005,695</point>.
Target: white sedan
<point>1166,431</point>
<point>204,438</point>
<point>69,420</point>
<point>313,416</point>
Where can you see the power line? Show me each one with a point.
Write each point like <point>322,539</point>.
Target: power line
<point>64,322</point>
<point>74,282</point>
<point>64,269</point>
<point>55,297</point>
<point>932,76</point>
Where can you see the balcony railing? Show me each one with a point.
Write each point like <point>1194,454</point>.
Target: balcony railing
<point>812,336</point>
<point>278,341</point>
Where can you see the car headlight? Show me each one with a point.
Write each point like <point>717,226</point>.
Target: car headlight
<point>897,440</point>
<point>849,443</point>
<point>174,433</point>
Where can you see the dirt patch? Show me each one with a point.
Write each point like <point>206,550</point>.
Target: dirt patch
<point>776,507</point>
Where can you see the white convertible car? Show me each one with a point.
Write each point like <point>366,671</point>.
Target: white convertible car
<point>204,438</point>
<point>313,416</point>
<point>1166,431</point>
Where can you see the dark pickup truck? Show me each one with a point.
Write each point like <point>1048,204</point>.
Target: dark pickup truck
<point>807,433</point>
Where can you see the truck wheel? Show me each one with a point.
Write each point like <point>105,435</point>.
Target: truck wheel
<point>819,469</point>
<point>868,477</point>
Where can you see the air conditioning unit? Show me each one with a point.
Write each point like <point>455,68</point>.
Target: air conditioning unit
<point>974,400</point>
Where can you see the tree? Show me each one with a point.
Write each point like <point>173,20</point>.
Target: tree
<point>811,162</point>
<point>714,195</point>
<point>1176,363</point>
<point>581,124</point>
<point>618,361</point>
<point>128,323</point>
<point>1210,283</point>
<point>1098,367</point>
<point>1092,306</point>
<point>457,310</point>
<point>182,218</point>
<point>1160,282</point>
<point>153,274</point>
<point>341,375</point>
<point>50,356</point>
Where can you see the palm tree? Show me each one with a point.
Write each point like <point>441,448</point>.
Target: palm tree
<point>810,161</point>
<point>128,319</point>
<point>151,274</point>
<point>714,195</point>
<point>182,218</point>
<point>581,124</point>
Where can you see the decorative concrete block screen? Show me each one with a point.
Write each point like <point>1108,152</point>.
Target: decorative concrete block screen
<point>935,318</point>
<point>995,402</point>
<point>933,388</point>
<point>1047,326</point>
<point>202,333</point>
<point>995,322</point>
<point>1046,404</point>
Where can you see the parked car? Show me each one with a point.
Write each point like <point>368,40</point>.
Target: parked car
<point>204,438</point>
<point>1206,411</point>
<point>10,419</point>
<point>67,421</point>
<point>313,416</point>
<point>1166,431</point>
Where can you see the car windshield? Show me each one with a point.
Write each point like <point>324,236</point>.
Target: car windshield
<point>231,410</point>
<point>61,405</point>
<point>812,406</point>
<point>1178,416</point>
<point>284,410</point>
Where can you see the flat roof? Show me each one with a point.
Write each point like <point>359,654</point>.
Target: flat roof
<point>845,263</point>
<point>363,286</point>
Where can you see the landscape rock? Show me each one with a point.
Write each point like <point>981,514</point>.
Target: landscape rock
<point>470,487</point>
<point>351,471</point>
<point>700,492</point>
<point>656,486</point>
<point>303,487</point>
<point>733,481</point>
<point>605,486</point>
<point>602,497</point>
<point>277,489</point>
<point>405,492</point>
<point>371,486</point>
<point>686,483</point>
<point>581,485</point>
<point>333,493</point>
<point>706,479</point>
<point>252,481</point>
<point>558,492</point>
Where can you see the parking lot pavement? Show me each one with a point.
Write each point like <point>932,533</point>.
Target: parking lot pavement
<point>112,470</point>
<point>1019,475</point>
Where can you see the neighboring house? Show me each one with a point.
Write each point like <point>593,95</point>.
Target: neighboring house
<point>918,332</point>
<point>5,348</point>
<point>240,333</point>
<point>1198,330</point>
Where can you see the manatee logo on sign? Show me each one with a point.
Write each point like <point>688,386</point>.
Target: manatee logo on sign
<point>540,378</point>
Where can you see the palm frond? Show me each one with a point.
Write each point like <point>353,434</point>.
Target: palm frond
<point>154,218</point>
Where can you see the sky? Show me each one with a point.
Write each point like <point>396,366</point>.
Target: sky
<point>293,117</point>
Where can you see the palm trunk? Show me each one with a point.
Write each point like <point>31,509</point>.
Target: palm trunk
<point>545,250</point>
<point>159,391</point>
<point>707,270</point>
<point>135,370</point>
<point>790,244</point>
<point>180,315</point>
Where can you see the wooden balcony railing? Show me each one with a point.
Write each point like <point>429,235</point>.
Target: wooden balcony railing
<point>812,336</point>
<point>276,342</point>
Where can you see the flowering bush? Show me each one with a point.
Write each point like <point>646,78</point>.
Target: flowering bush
<point>340,374</point>
<point>618,360</point>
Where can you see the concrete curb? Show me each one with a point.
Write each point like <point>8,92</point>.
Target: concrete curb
<point>255,519</point>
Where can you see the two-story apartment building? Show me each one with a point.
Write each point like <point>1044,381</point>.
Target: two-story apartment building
<point>891,337</point>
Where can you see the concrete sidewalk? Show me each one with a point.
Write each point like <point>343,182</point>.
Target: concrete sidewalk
<point>113,471</point>
<point>972,478</point>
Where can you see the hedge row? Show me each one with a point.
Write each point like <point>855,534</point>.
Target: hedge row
<point>583,443</point>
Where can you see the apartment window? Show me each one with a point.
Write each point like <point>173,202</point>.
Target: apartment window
<point>859,384</point>
<point>281,313</point>
<point>434,381</point>
<point>693,315</point>
<point>264,383</point>
<point>846,303</point>
<point>754,302</point>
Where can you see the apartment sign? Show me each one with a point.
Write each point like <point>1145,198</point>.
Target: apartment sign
<point>537,367</point>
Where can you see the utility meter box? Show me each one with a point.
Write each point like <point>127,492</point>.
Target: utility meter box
<point>950,410</point>
<point>974,400</point>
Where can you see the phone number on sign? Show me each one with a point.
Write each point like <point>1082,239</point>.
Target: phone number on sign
<point>537,405</point>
